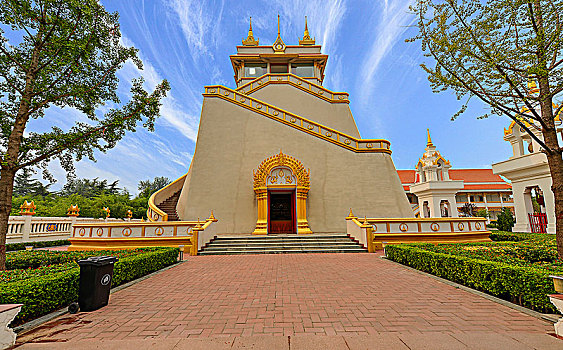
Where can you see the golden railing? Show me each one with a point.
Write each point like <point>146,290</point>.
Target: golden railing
<point>298,82</point>
<point>374,232</point>
<point>308,126</point>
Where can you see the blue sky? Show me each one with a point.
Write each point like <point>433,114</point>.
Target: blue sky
<point>188,42</point>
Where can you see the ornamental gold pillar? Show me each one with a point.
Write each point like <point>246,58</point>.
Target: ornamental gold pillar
<point>301,208</point>
<point>262,204</point>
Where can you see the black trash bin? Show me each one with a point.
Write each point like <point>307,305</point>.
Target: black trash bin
<point>96,274</point>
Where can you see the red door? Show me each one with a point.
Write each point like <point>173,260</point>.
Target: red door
<point>281,212</point>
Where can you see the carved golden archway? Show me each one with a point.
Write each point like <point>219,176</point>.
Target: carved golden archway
<point>263,181</point>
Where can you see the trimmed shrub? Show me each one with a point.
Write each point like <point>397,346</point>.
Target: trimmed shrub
<point>45,293</point>
<point>505,220</point>
<point>525,286</point>
<point>21,246</point>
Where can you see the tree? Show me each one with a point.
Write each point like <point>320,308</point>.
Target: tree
<point>89,188</point>
<point>483,213</point>
<point>148,187</point>
<point>66,53</point>
<point>24,185</point>
<point>506,53</point>
<point>505,220</point>
<point>468,209</point>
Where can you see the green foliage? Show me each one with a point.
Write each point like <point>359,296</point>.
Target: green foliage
<point>525,286</point>
<point>147,187</point>
<point>46,292</point>
<point>25,184</point>
<point>42,244</point>
<point>30,259</point>
<point>468,209</point>
<point>483,213</point>
<point>505,220</point>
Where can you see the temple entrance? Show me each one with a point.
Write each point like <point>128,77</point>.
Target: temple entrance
<point>281,213</point>
<point>281,184</point>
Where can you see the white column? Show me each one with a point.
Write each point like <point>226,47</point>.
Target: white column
<point>549,200</point>
<point>26,228</point>
<point>520,210</point>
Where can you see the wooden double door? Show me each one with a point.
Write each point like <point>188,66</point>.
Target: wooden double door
<point>281,212</point>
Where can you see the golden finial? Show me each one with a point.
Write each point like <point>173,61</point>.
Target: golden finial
<point>279,45</point>
<point>129,214</point>
<point>429,140</point>
<point>106,209</point>
<point>73,210</point>
<point>27,208</point>
<point>532,86</point>
<point>249,41</point>
<point>365,220</point>
<point>212,218</point>
<point>198,226</point>
<point>307,40</point>
<point>350,215</point>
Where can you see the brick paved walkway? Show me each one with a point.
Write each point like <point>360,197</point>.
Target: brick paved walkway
<point>296,295</point>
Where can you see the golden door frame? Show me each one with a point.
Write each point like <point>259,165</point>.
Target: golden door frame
<point>302,187</point>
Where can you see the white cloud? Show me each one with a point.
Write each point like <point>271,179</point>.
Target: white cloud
<point>200,23</point>
<point>393,21</point>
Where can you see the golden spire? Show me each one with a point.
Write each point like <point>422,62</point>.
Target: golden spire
<point>429,140</point>
<point>279,45</point>
<point>249,41</point>
<point>307,40</point>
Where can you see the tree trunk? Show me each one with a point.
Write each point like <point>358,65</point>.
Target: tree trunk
<point>6,188</point>
<point>555,162</point>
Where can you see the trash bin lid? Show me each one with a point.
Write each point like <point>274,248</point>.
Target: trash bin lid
<point>98,260</point>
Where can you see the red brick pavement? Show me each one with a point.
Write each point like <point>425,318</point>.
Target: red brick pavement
<point>288,294</point>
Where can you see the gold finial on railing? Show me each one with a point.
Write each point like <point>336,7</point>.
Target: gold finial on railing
<point>212,218</point>
<point>73,210</point>
<point>129,214</point>
<point>350,215</point>
<point>106,209</point>
<point>198,226</point>
<point>365,223</point>
<point>27,208</point>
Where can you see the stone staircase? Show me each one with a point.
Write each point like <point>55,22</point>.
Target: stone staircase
<point>282,244</point>
<point>169,206</point>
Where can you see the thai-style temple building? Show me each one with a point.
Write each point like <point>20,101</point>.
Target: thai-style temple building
<point>435,190</point>
<point>278,153</point>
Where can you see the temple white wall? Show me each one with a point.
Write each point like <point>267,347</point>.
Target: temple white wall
<point>233,141</point>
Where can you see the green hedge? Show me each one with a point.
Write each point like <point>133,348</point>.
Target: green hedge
<point>21,246</point>
<point>525,286</point>
<point>43,294</point>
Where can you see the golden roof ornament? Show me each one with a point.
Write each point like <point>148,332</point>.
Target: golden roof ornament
<point>129,214</point>
<point>307,40</point>
<point>279,45</point>
<point>106,209</point>
<point>27,208</point>
<point>249,41</point>
<point>429,140</point>
<point>212,218</point>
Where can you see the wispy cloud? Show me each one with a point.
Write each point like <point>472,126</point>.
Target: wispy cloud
<point>200,22</point>
<point>392,23</point>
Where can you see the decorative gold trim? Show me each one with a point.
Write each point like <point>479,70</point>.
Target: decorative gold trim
<point>126,232</point>
<point>403,227</point>
<point>99,232</point>
<point>159,231</point>
<point>81,231</point>
<point>477,225</point>
<point>434,226</point>
<point>461,226</point>
<point>261,190</point>
<point>279,45</point>
<point>358,146</point>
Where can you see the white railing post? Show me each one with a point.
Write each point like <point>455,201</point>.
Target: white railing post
<point>27,210</point>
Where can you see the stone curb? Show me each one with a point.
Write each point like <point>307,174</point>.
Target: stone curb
<point>46,318</point>
<point>553,318</point>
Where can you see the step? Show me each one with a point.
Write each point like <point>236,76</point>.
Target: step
<point>280,251</point>
<point>270,244</point>
<point>285,247</point>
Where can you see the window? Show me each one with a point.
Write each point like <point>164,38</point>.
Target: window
<point>305,70</point>
<point>493,197</point>
<point>278,68</point>
<point>255,69</point>
<point>460,198</point>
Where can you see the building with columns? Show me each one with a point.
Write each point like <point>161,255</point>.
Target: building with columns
<point>434,189</point>
<point>528,171</point>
